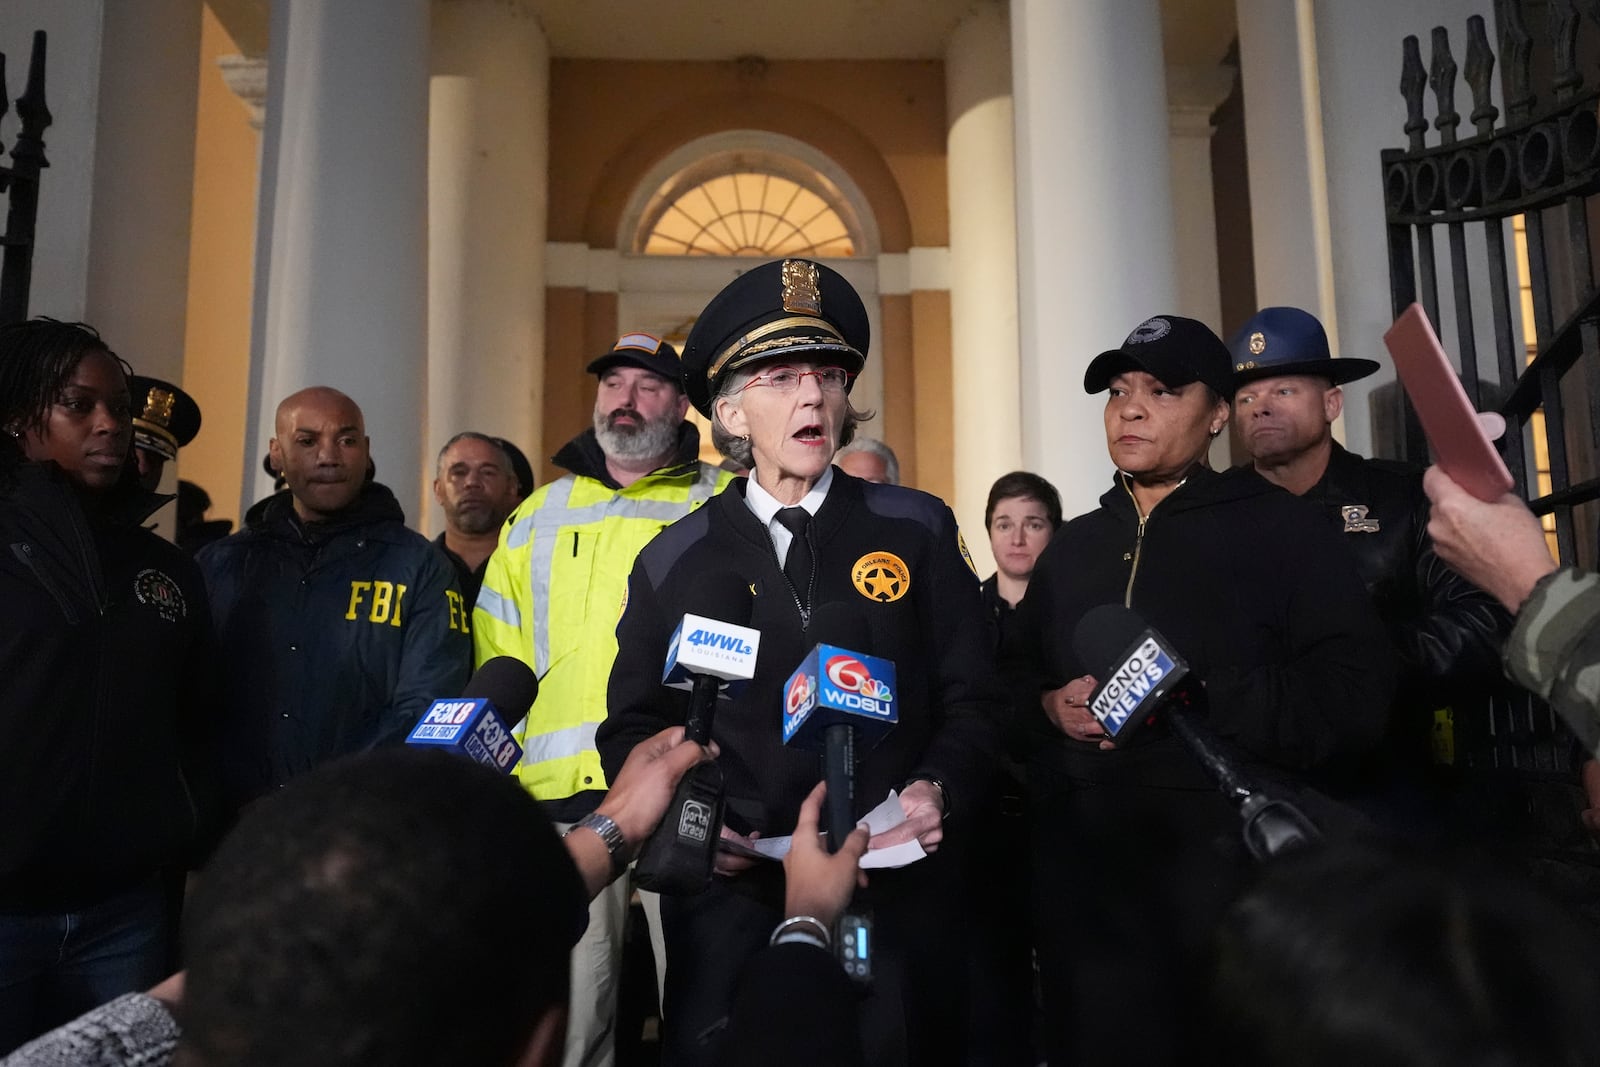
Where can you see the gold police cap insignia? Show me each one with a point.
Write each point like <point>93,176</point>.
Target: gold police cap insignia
<point>1258,343</point>
<point>158,407</point>
<point>800,293</point>
<point>881,576</point>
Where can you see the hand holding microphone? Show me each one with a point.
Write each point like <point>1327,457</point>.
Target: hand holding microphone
<point>818,883</point>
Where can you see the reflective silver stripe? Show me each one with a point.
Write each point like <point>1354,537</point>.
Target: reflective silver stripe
<point>553,514</point>
<point>500,608</point>
<point>559,744</point>
<point>540,560</point>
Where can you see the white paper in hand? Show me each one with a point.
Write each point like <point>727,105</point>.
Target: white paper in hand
<point>885,816</point>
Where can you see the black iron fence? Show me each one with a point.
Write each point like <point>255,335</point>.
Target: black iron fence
<point>1533,170</point>
<point>20,183</point>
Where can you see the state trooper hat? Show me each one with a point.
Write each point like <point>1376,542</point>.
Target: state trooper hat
<point>165,418</point>
<point>643,350</point>
<point>1281,341</point>
<point>1174,349</point>
<point>788,309</point>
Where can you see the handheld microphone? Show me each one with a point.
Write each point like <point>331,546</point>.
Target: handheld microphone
<point>1147,675</point>
<point>712,649</point>
<point>835,698</point>
<point>478,723</point>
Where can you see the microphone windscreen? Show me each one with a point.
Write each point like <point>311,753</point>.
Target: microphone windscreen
<point>507,683</point>
<point>1104,634</point>
<point>839,624</point>
<point>720,595</point>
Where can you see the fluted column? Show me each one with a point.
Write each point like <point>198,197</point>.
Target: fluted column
<point>341,266</point>
<point>983,266</point>
<point>488,164</point>
<point>1094,216</point>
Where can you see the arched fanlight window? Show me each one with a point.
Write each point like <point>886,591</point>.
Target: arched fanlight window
<point>748,204</point>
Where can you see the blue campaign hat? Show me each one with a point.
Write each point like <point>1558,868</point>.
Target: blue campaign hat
<point>1282,341</point>
<point>786,309</point>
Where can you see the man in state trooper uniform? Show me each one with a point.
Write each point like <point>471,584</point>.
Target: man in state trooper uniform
<point>552,595</point>
<point>1446,634</point>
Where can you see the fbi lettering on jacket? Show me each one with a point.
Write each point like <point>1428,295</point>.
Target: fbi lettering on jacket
<point>378,602</point>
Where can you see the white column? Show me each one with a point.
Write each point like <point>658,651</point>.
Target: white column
<point>983,266</point>
<point>1290,228</point>
<point>488,161</point>
<point>1194,94</point>
<point>138,284</point>
<point>341,279</point>
<point>1094,216</point>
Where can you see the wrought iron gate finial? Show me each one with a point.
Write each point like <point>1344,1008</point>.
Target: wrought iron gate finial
<point>1442,79</point>
<point>1413,82</point>
<point>1479,73</point>
<point>1564,36</point>
<point>1516,54</point>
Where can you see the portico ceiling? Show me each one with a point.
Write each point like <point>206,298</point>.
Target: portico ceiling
<point>1197,32</point>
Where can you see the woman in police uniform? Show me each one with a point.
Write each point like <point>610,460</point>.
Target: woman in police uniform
<point>771,362</point>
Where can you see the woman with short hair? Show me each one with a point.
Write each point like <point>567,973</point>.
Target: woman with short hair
<point>875,569</point>
<point>102,712</point>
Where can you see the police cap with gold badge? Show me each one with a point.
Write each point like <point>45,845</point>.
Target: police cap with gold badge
<point>165,418</point>
<point>1281,341</point>
<point>790,309</point>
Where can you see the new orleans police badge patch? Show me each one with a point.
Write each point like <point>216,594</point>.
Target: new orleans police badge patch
<point>158,590</point>
<point>881,576</point>
<point>1356,521</point>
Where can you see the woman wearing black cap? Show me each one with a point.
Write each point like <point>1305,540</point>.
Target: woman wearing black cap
<point>102,658</point>
<point>876,569</point>
<point>1135,849</point>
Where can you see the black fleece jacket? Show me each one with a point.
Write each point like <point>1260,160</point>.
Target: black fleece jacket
<point>1256,592</point>
<point>105,711</point>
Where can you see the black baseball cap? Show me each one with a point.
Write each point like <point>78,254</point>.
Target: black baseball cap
<point>643,350</point>
<point>1173,349</point>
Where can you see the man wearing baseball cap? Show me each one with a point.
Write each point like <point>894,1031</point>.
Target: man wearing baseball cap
<point>551,597</point>
<point>1446,633</point>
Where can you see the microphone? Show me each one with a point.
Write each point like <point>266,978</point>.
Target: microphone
<point>475,723</point>
<point>1147,675</point>
<point>712,650</point>
<point>835,698</point>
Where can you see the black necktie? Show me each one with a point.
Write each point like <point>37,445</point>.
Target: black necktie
<point>797,564</point>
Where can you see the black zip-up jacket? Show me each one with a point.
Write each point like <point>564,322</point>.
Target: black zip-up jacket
<point>335,635</point>
<point>1447,633</point>
<point>1255,591</point>
<point>935,632</point>
<point>105,712</point>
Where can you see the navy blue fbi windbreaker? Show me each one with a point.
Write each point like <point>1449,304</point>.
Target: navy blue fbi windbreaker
<point>335,636</point>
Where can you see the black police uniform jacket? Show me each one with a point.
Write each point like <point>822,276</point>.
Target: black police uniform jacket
<point>335,635</point>
<point>105,707</point>
<point>1255,591</point>
<point>933,629</point>
<point>1446,632</point>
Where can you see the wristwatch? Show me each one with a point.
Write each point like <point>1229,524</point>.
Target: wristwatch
<point>606,829</point>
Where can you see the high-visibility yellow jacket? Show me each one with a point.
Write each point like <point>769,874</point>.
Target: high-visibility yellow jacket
<point>553,592</point>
